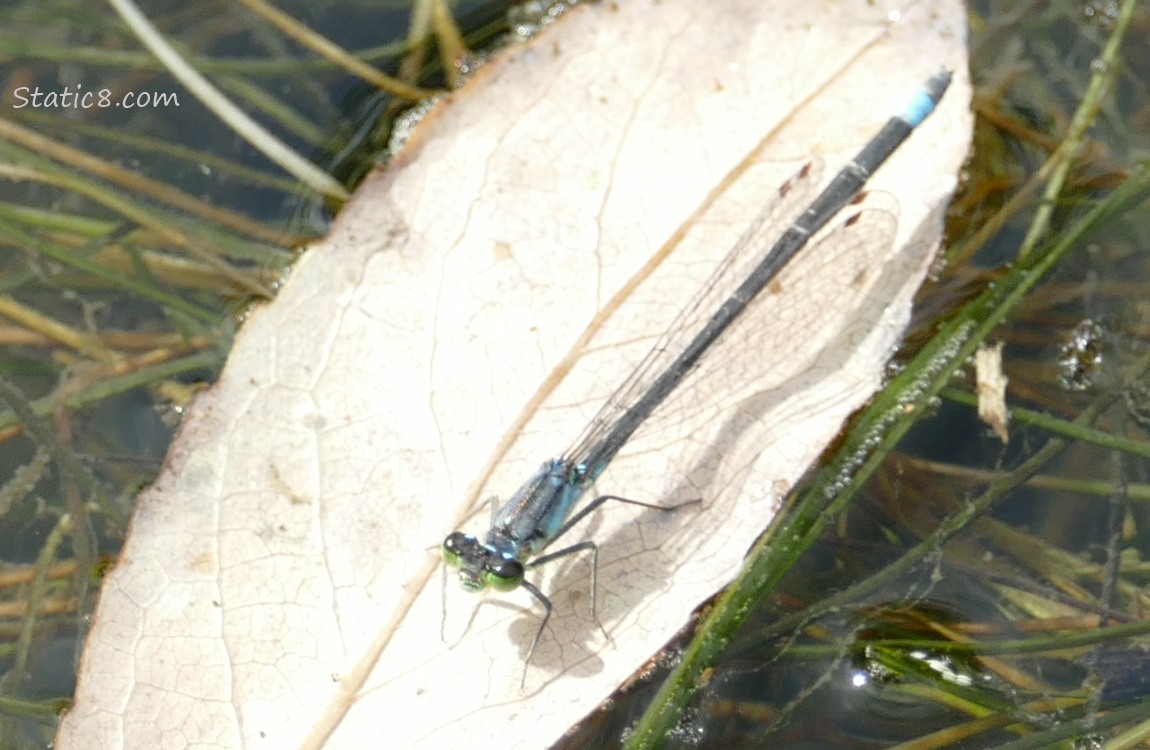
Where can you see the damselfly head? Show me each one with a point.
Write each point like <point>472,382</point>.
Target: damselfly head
<point>480,566</point>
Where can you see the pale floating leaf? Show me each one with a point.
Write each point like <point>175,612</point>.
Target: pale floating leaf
<point>281,586</point>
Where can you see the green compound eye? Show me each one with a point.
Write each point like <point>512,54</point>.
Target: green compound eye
<point>456,547</point>
<point>464,551</point>
<point>503,575</point>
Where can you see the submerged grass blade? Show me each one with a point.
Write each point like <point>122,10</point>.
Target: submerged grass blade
<point>252,131</point>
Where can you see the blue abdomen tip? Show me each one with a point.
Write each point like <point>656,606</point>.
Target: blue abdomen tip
<point>926,99</point>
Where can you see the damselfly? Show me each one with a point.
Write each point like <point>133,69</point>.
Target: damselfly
<point>541,510</point>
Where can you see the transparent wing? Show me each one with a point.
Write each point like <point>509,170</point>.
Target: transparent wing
<point>750,249</point>
<point>781,345</point>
